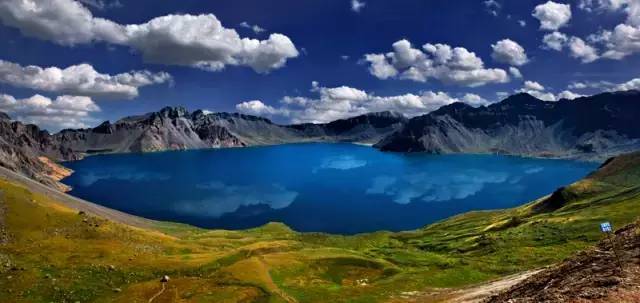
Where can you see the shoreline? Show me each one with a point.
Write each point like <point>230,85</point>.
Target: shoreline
<point>346,143</point>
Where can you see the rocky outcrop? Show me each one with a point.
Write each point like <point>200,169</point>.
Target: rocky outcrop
<point>595,275</point>
<point>26,149</point>
<point>591,128</point>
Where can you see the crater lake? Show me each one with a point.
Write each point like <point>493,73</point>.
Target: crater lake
<point>314,187</point>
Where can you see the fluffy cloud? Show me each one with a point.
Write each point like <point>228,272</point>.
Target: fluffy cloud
<point>555,41</point>
<point>532,85</point>
<point>539,91</point>
<point>80,79</point>
<point>565,94</point>
<point>344,102</point>
<point>357,5</point>
<point>202,41</point>
<point>509,52</point>
<point>257,108</point>
<point>434,61</point>
<point>578,48</point>
<point>66,22</point>
<point>624,39</point>
<point>552,15</point>
<point>581,50</point>
<point>633,84</point>
<point>63,112</point>
<point>189,40</point>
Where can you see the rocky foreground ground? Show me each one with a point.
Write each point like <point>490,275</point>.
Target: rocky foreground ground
<point>591,276</point>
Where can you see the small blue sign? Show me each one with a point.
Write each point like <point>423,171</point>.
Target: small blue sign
<point>606,227</point>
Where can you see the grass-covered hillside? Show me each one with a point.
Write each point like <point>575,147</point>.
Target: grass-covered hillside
<point>51,252</point>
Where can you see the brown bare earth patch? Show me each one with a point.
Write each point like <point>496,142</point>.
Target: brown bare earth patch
<point>591,276</point>
<point>56,172</point>
<point>473,294</point>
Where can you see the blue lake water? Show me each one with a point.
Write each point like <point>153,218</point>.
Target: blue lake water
<point>336,188</point>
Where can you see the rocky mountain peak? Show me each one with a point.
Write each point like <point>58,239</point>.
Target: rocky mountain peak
<point>452,108</point>
<point>521,99</point>
<point>104,128</point>
<point>174,112</point>
<point>386,114</point>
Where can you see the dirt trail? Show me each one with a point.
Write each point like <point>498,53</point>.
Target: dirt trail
<point>472,294</point>
<point>482,292</point>
<point>75,203</point>
<point>158,293</point>
<point>273,287</point>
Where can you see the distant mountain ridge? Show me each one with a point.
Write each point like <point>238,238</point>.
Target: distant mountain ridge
<point>25,148</point>
<point>174,128</point>
<point>589,128</point>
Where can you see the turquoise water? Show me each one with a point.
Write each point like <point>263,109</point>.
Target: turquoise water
<point>337,188</point>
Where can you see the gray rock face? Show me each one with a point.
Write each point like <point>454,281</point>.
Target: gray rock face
<point>21,149</point>
<point>590,128</point>
<point>174,128</point>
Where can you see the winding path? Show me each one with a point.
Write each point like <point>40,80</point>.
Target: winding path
<point>157,294</point>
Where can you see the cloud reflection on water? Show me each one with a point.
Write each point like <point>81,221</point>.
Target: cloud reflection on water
<point>435,186</point>
<point>343,162</point>
<point>224,198</point>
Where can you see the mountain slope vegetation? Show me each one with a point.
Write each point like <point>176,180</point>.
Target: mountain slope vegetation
<point>54,249</point>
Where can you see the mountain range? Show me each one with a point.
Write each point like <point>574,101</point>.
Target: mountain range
<point>587,128</point>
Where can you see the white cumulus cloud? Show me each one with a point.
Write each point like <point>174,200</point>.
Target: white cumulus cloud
<point>555,41</point>
<point>532,85</point>
<point>434,61</point>
<point>621,41</point>
<point>581,50</point>
<point>509,52</point>
<point>344,102</point>
<point>539,91</point>
<point>80,79</point>
<point>633,84</point>
<point>53,114</point>
<point>189,40</point>
<point>552,15</point>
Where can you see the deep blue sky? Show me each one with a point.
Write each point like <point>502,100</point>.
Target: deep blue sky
<point>323,31</point>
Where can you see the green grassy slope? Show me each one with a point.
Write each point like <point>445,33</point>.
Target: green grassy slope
<point>51,253</point>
